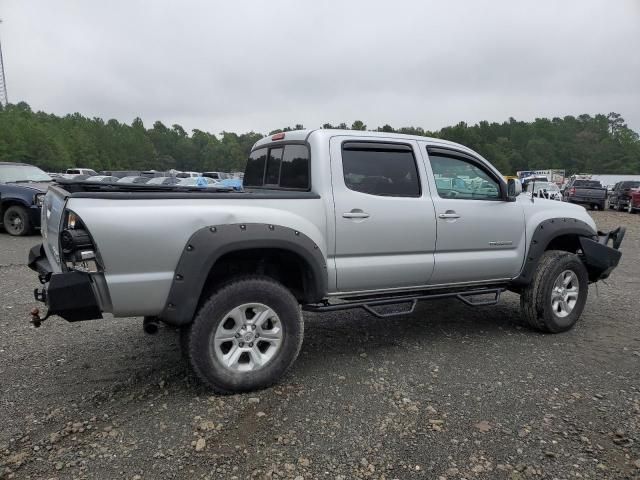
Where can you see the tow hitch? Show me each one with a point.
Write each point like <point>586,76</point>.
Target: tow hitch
<point>36,321</point>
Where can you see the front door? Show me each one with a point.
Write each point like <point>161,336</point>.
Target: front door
<point>385,224</point>
<point>481,236</point>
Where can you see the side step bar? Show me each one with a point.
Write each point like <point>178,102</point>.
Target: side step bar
<point>367,304</point>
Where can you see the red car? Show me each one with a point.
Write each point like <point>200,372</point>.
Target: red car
<point>634,200</point>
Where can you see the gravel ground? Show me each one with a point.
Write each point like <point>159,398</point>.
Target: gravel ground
<point>447,392</point>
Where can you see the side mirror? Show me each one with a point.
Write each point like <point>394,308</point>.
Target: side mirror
<point>514,188</point>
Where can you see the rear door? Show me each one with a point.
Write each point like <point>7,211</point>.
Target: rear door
<point>385,224</point>
<point>481,236</point>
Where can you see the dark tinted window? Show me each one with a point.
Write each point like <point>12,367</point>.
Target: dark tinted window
<point>295,167</point>
<point>273,167</point>
<point>385,170</point>
<point>587,183</point>
<point>630,185</point>
<point>254,172</point>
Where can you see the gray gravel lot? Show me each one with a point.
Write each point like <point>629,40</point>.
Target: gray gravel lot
<point>447,392</point>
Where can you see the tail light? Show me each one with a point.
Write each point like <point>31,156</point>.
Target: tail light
<point>572,191</point>
<point>78,249</point>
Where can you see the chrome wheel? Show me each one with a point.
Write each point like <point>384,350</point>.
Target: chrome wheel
<point>564,294</point>
<point>248,337</point>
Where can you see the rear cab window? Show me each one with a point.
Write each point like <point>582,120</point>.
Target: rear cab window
<point>283,167</point>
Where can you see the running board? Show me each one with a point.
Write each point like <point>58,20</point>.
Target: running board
<point>465,296</point>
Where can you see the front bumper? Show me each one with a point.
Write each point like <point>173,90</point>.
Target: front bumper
<point>69,295</point>
<point>600,258</point>
<point>35,212</point>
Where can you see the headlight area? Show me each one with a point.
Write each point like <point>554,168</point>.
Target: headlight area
<point>38,199</point>
<point>78,249</point>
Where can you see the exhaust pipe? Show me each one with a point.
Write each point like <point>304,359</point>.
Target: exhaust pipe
<point>150,325</point>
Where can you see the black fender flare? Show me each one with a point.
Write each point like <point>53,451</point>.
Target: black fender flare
<point>543,235</point>
<point>6,202</point>
<point>208,244</point>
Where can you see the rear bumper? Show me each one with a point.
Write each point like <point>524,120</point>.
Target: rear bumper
<point>586,200</point>
<point>600,258</point>
<point>70,295</point>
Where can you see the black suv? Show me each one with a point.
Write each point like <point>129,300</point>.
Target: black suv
<point>621,194</point>
<point>22,189</point>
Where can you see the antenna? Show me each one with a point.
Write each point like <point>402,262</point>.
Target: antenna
<point>4,100</point>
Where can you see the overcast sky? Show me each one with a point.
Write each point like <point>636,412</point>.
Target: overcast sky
<point>240,65</point>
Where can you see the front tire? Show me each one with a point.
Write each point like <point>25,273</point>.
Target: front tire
<point>556,296</point>
<point>246,336</point>
<point>16,221</point>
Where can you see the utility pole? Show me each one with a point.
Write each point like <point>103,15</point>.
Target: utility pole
<point>4,100</point>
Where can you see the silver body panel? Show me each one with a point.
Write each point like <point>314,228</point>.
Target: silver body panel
<point>401,245</point>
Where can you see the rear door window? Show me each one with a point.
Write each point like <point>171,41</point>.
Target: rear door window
<point>382,169</point>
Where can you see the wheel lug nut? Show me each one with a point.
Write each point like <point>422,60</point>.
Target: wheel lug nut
<point>253,327</point>
<point>251,344</point>
<point>241,344</point>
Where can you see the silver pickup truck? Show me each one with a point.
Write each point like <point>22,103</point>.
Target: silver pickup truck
<point>328,220</point>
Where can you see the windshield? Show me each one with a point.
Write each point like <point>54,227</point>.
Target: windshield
<point>22,173</point>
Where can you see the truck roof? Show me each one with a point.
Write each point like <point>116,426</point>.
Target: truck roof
<point>303,135</point>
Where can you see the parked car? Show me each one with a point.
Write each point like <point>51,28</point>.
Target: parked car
<point>634,200</point>
<point>122,173</point>
<point>547,190</point>
<point>134,179</point>
<point>22,189</point>
<point>188,175</point>
<point>371,227</point>
<point>215,175</point>
<point>621,194</point>
<point>196,182</point>
<point>585,192</point>
<point>164,181</point>
<point>102,179</point>
<point>81,171</point>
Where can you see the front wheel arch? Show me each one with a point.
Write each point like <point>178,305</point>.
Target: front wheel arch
<point>552,234</point>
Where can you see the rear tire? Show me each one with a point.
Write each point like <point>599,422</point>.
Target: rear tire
<point>630,208</point>
<point>601,207</point>
<point>16,221</point>
<point>246,336</point>
<point>556,296</point>
<point>619,207</point>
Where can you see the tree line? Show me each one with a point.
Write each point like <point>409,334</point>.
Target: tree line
<point>583,144</point>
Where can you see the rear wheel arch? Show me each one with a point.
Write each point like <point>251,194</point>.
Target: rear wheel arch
<point>215,255</point>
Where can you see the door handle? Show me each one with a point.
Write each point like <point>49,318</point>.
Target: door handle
<point>355,213</point>
<point>449,215</point>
